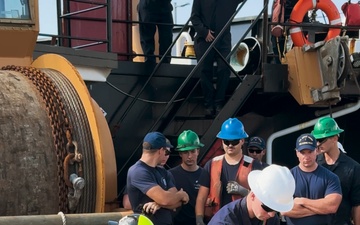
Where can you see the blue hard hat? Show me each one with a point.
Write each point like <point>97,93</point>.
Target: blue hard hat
<point>232,129</point>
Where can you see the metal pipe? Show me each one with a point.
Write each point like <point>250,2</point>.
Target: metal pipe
<point>70,219</point>
<point>349,108</point>
<point>109,25</point>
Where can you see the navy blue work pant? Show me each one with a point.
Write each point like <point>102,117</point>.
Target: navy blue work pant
<point>214,97</point>
<point>147,32</point>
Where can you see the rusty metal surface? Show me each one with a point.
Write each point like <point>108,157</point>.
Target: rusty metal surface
<point>58,99</point>
<point>59,122</point>
<point>28,177</point>
<point>82,135</point>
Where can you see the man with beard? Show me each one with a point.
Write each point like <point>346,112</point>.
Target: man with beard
<point>327,134</point>
<point>186,175</point>
<point>317,193</point>
<point>224,178</point>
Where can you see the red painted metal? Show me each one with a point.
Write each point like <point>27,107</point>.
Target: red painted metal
<point>92,25</point>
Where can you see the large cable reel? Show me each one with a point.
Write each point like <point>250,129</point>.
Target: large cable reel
<point>57,153</point>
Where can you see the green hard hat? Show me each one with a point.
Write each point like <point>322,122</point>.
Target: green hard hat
<point>188,140</point>
<point>326,127</point>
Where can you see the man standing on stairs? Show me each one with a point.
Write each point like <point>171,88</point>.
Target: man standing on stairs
<point>224,178</point>
<point>187,174</point>
<point>208,17</point>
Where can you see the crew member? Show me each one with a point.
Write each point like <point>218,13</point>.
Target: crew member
<point>147,182</point>
<point>257,149</point>
<point>225,177</point>
<point>272,191</point>
<point>187,175</point>
<point>318,193</point>
<point>327,132</point>
<point>152,14</point>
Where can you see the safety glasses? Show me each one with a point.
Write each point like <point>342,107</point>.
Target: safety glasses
<point>257,151</point>
<point>322,140</point>
<point>166,151</point>
<point>231,142</point>
<point>266,208</point>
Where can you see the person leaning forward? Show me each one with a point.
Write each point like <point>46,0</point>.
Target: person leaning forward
<point>147,182</point>
<point>272,191</point>
<point>318,193</point>
<point>326,132</point>
<point>224,178</point>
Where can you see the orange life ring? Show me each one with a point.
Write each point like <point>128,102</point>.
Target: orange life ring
<point>299,11</point>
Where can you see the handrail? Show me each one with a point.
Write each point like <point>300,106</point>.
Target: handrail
<point>70,15</point>
<point>151,75</point>
<point>142,89</point>
<point>170,102</point>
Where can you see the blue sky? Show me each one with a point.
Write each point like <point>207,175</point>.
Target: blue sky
<point>48,17</point>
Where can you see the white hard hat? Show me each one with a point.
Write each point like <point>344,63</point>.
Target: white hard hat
<point>340,146</point>
<point>274,186</point>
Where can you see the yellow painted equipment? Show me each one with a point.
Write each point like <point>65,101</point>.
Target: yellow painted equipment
<point>56,147</point>
<point>304,74</point>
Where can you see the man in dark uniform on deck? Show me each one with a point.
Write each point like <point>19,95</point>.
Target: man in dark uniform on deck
<point>326,132</point>
<point>208,17</point>
<point>187,175</point>
<point>155,13</point>
<point>318,192</point>
<point>257,149</point>
<point>148,182</point>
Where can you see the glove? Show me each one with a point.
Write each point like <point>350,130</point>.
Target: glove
<point>200,220</point>
<point>234,188</point>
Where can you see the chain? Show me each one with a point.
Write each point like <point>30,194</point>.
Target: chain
<point>59,122</point>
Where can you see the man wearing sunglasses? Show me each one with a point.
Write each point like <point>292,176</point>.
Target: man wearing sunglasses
<point>126,201</point>
<point>318,193</point>
<point>148,182</point>
<point>257,149</point>
<point>327,132</point>
<point>187,175</point>
<point>224,178</point>
<point>272,191</point>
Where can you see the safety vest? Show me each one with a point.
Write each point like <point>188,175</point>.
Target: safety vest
<point>214,199</point>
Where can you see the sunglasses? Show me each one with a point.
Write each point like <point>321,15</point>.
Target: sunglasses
<point>266,208</point>
<point>322,140</point>
<point>167,152</point>
<point>258,151</point>
<point>231,142</point>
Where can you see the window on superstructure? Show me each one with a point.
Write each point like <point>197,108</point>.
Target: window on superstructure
<point>14,9</point>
